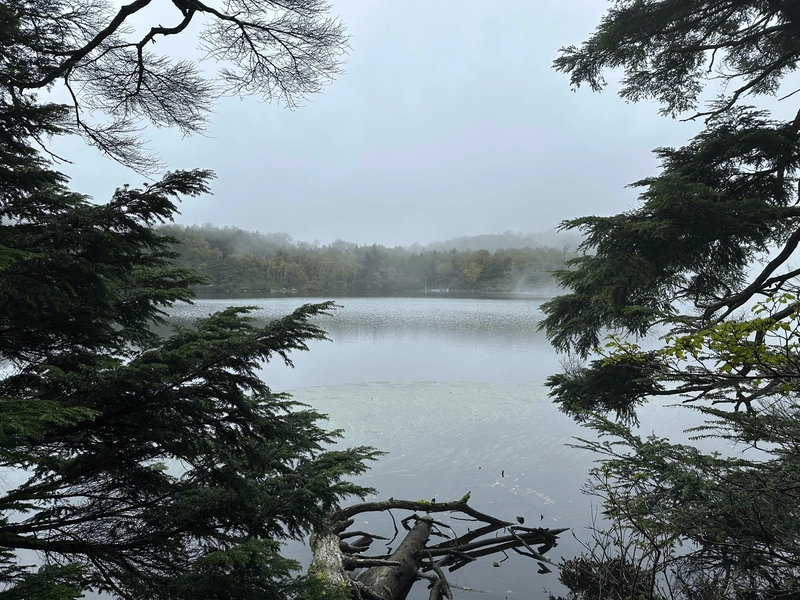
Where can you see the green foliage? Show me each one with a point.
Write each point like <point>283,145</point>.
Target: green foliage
<point>718,205</point>
<point>57,249</point>
<point>152,465</point>
<point>217,575</point>
<point>50,582</point>
<point>239,261</point>
<point>317,587</point>
<point>135,465</point>
<point>727,524</point>
<point>140,466</point>
<point>706,262</point>
<point>617,386</point>
<point>668,49</point>
<point>701,225</point>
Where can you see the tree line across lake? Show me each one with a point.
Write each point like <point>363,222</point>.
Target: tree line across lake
<point>237,261</point>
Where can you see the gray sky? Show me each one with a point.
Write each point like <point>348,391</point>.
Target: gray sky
<point>448,121</point>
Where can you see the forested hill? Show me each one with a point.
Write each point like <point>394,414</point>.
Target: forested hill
<point>237,261</point>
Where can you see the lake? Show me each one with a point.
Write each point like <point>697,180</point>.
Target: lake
<point>453,390</point>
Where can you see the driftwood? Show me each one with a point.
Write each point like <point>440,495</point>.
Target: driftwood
<point>339,553</point>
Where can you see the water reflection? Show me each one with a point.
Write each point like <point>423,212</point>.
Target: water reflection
<point>515,318</point>
<point>505,443</point>
<point>410,339</point>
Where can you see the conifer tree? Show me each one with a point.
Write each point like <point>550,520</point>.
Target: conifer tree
<point>140,466</point>
<point>707,262</point>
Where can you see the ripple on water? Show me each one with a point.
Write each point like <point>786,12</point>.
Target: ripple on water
<point>430,428</point>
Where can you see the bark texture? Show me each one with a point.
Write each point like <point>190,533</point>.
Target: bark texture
<point>393,582</point>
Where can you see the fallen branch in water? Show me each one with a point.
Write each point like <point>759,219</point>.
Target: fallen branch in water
<point>391,576</point>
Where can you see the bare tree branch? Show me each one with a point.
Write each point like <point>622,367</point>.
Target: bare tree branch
<point>389,576</point>
<point>279,50</point>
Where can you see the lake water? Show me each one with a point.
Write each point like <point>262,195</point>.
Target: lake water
<point>453,390</point>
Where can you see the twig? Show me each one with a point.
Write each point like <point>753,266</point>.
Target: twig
<point>445,587</point>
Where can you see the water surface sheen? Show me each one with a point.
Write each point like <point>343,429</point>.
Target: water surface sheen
<point>409,339</point>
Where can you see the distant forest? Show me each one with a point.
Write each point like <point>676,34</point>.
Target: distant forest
<point>237,261</point>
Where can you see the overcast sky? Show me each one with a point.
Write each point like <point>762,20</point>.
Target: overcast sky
<point>448,120</point>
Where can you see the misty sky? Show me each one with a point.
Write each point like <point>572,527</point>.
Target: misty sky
<point>448,120</point>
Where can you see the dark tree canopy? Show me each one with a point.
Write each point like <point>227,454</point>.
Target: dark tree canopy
<point>669,50</point>
<point>142,466</point>
<point>692,255</point>
<point>706,266</point>
<point>116,80</point>
<point>133,464</point>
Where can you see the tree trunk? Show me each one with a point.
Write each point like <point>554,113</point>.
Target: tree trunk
<point>393,583</point>
<point>328,559</point>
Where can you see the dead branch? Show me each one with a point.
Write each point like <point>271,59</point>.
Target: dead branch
<point>392,576</point>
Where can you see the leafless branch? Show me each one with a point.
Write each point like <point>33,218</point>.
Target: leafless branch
<point>280,50</point>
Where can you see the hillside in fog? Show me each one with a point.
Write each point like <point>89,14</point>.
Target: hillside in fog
<point>507,241</point>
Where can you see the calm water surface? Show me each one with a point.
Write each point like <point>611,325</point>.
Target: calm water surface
<point>453,390</point>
